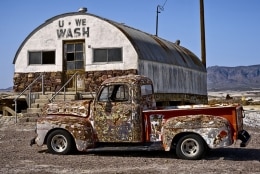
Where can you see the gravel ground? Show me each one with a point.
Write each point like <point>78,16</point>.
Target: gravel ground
<point>17,157</point>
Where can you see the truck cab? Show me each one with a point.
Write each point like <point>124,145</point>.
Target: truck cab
<point>117,109</point>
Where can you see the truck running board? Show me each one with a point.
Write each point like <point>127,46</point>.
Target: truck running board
<point>153,147</point>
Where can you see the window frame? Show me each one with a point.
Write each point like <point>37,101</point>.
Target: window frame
<point>108,56</point>
<point>41,58</point>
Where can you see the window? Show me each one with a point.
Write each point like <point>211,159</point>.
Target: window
<point>106,93</point>
<point>146,90</point>
<point>114,93</point>
<point>107,55</point>
<point>41,57</point>
<point>74,53</point>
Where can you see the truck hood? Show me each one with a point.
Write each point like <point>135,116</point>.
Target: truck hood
<point>79,108</point>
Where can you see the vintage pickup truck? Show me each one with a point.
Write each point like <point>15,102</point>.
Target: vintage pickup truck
<point>123,116</point>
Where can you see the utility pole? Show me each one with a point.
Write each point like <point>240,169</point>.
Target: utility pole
<point>159,9</point>
<point>202,32</point>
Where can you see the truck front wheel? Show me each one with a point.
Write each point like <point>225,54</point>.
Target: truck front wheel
<point>190,147</point>
<point>60,142</point>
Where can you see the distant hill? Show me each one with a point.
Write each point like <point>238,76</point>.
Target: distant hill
<point>233,78</point>
<point>7,89</point>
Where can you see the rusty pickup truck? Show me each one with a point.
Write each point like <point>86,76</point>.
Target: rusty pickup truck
<point>123,116</point>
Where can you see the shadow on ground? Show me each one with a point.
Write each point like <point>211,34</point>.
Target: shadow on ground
<point>234,154</point>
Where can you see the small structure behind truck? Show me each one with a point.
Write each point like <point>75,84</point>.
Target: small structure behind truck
<point>123,116</point>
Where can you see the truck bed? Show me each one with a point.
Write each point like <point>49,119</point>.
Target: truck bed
<point>233,113</point>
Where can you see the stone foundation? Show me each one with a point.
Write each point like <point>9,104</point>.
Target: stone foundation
<point>53,81</point>
<point>91,80</point>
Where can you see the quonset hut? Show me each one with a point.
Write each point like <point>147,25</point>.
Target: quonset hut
<point>97,48</point>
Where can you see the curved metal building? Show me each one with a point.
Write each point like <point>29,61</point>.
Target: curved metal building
<point>97,48</point>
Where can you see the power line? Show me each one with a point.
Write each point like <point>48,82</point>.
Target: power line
<point>164,3</point>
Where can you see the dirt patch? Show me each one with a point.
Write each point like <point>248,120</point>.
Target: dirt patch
<point>17,157</point>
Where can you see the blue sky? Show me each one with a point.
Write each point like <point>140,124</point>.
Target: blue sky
<point>232,26</point>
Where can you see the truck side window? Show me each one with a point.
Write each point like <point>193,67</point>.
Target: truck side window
<point>122,93</point>
<point>146,90</point>
<point>106,93</point>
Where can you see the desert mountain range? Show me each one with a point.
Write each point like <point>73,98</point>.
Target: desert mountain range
<point>233,78</point>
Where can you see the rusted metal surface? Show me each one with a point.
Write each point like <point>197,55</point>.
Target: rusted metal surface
<point>124,112</point>
<point>156,125</point>
<point>79,127</point>
<point>214,130</point>
<point>78,108</point>
<point>71,116</point>
<point>122,121</point>
<point>116,125</point>
<point>113,121</point>
<point>130,79</point>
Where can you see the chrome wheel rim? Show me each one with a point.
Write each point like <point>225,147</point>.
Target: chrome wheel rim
<point>190,147</point>
<point>59,143</point>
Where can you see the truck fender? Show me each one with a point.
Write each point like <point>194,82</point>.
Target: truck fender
<point>79,128</point>
<point>215,130</point>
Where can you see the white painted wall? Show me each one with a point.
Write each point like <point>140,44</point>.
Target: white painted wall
<point>101,34</point>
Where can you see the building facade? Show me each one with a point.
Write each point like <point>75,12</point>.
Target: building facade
<point>97,48</point>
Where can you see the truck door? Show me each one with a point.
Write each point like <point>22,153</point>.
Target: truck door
<point>112,114</point>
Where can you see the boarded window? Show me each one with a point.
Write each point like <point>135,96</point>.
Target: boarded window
<point>107,55</point>
<point>41,57</point>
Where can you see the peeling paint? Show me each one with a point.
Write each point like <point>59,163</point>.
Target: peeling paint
<point>121,121</point>
<point>80,128</point>
<point>124,111</point>
<point>210,128</point>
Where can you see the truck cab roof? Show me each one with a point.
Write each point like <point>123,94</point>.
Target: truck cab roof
<point>131,79</point>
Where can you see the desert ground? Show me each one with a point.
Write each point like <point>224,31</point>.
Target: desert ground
<point>17,157</point>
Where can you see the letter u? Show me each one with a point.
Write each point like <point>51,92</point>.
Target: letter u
<point>61,23</point>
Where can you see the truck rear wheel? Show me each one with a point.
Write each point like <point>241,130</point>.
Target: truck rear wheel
<point>190,147</point>
<point>60,142</point>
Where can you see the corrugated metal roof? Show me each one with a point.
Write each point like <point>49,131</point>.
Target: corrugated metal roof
<point>153,48</point>
<point>147,46</point>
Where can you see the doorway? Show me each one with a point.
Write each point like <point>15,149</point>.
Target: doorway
<point>74,61</point>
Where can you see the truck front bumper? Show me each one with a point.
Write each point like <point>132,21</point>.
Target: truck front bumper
<point>244,136</point>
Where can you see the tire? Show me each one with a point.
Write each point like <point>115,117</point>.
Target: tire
<point>190,147</point>
<point>60,142</point>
